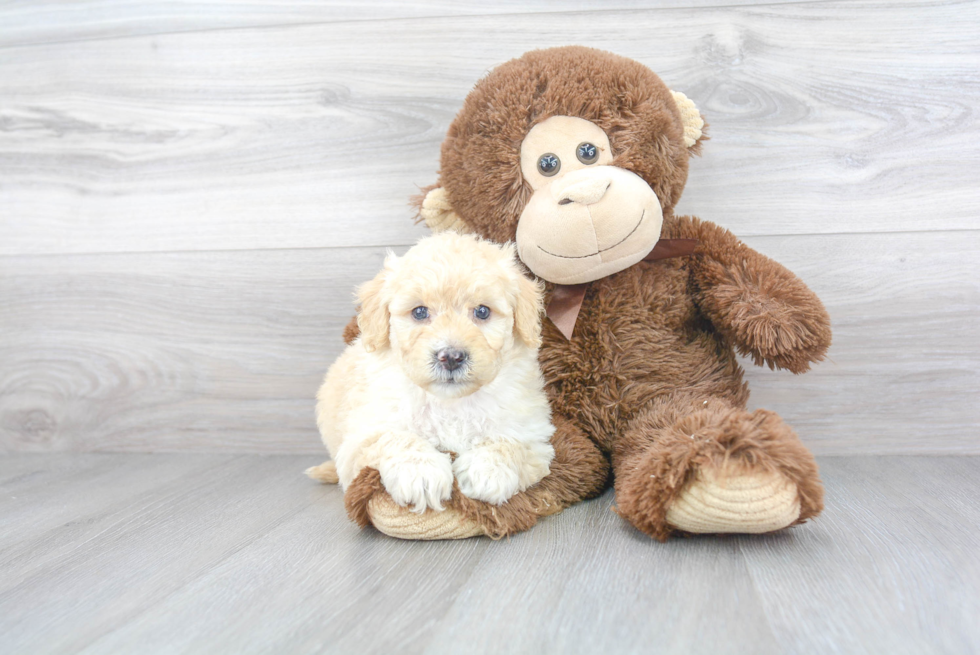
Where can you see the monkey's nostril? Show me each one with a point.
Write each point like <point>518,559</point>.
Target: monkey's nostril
<point>585,192</point>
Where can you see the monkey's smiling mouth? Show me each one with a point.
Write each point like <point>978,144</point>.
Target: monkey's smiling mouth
<point>599,252</point>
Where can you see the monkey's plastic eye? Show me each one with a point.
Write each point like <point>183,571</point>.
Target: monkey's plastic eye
<point>420,313</point>
<point>482,312</point>
<point>587,153</point>
<point>549,164</point>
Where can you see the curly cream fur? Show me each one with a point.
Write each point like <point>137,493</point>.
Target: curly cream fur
<point>386,404</point>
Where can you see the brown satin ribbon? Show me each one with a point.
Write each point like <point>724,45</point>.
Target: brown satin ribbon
<point>565,304</point>
<point>566,301</point>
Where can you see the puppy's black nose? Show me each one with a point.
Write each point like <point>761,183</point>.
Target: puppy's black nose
<point>451,358</point>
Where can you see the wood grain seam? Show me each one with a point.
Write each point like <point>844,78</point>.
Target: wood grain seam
<point>371,247</point>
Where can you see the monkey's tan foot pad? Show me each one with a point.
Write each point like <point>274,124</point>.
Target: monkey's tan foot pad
<point>731,502</point>
<point>396,521</point>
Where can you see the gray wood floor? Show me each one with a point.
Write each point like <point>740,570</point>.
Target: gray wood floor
<point>111,553</point>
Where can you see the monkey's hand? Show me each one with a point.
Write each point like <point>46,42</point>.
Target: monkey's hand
<point>766,311</point>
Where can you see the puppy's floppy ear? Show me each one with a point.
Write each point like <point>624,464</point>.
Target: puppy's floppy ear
<point>373,318</point>
<point>528,308</point>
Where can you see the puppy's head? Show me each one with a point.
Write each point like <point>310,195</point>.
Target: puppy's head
<point>453,310</point>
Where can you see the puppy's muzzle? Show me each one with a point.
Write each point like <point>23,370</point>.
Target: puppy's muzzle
<point>450,359</point>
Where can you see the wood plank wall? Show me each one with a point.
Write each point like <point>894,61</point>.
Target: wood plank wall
<point>189,192</point>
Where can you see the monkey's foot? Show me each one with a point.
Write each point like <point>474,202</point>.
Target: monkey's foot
<point>395,521</point>
<point>727,500</point>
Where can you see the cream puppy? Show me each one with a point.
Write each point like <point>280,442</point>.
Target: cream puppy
<point>446,362</point>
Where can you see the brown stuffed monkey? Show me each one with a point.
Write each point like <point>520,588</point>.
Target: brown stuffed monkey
<point>580,157</point>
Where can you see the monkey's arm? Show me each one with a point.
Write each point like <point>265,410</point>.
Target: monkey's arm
<point>351,331</point>
<point>760,306</point>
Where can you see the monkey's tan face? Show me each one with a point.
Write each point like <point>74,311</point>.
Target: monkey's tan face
<point>587,219</point>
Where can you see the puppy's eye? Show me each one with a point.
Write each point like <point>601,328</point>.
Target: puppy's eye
<point>482,312</point>
<point>587,153</point>
<point>549,164</point>
<point>420,313</point>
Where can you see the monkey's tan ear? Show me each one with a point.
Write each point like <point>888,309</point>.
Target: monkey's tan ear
<point>693,122</point>
<point>438,214</point>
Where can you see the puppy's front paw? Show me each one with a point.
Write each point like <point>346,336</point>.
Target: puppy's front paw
<point>418,479</point>
<point>483,475</point>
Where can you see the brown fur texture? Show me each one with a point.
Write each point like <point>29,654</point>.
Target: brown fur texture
<point>351,331</point>
<point>650,377</point>
<point>356,497</point>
